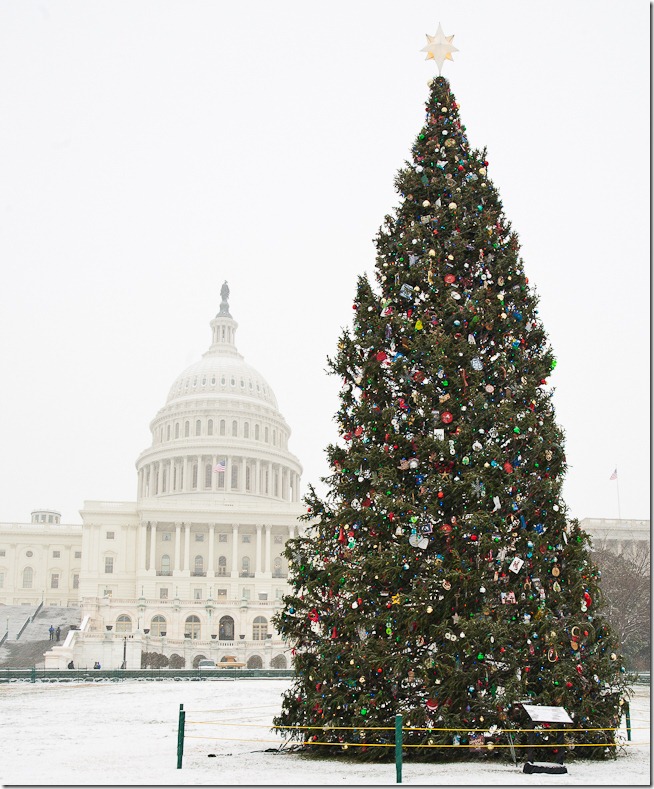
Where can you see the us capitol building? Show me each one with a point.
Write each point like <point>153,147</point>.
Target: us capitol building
<point>193,568</point>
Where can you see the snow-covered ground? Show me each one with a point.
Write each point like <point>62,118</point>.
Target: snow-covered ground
<point>125,733</point>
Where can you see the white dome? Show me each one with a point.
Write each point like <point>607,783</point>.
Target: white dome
<point>220,431</point>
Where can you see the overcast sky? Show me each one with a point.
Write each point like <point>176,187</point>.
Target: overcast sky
<point>151,150</point>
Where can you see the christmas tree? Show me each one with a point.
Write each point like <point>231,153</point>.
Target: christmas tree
<point>440,576</point>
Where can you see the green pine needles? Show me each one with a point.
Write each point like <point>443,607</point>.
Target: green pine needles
<point>440,577</point>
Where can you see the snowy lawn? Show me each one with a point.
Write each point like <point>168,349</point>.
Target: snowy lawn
<point>125,733</point>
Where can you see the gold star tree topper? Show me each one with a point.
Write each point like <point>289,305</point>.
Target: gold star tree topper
<point>439,47</point>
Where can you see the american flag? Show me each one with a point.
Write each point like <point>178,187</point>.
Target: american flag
<point>219,468</point>
<point>614,475</point>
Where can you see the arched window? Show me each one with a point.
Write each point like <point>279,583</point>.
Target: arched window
<point>124,624</point>
<point>158,626</point>
<point>245,566</point>
<point>176,429</point>
<point>255,662</point>
<point>265,434</point>
<point>226,629</point>
<point>165,564</point>
<point>234,428</point>
<point>28,577</point>
<point>222,427</point>
<point>210,427</point>
<point>246,430</point>
<point>259,628</point>
<point>197,659</point>
<point>207,475</point>
<point>256,432</point>
<point>174,485</point>
<point>279,661</point>
<point>221,475</point>
<point>192,627</point>
<point>234,476</point>
<point>198,427</point>
<point>247,476</point>
<point>164,480</point>
<point>222,565</point>
<point>195,476</point>
<point>187,428</point>
<point>198,566</point>
<point>277,567</point>
<point>168,433</point>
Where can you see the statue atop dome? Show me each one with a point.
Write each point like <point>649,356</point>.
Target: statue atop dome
<point>224,304</point>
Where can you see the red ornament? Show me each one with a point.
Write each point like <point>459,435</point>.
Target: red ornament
<point>381,356</point>
<point>579,668</point>
<point>334,633</point>
<point>587,599</point>
<point>508,467</point>
<point>358,431</point>
<point>568,684</point>
<point>449,279</point>
<point>341,534</point>
<point>446,417</point>
<point>313,615</point>
<point>431,704</point>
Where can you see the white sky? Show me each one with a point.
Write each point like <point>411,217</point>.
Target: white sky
<point>151,150</point>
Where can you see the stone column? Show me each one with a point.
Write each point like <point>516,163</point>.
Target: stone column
<point>257,566</point>
<point>234,573</point>
<point>212,533</point>
<point>159,476</point>
<point>214,476</point>
<point>143,536</point>
<point>257,477</point>
<point>268,554</point>
<point>178,547</point>
<point>171,477</point>
<point>187,546</point>
<point>199,485</point>
<point>153,545</point>
<point>291,531</point>
<point>280,491</point>
<point>185,482</point>
<point>241,479</point>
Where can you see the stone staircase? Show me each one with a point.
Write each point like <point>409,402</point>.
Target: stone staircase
<point>27,650</point>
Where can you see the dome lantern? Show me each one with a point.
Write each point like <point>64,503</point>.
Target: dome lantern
<point>223,328</point>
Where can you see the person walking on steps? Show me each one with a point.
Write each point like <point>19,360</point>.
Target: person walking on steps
<point>58,632</point>
<point>51,630</point>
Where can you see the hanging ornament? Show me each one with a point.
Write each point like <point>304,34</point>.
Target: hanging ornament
<point>446,417</point>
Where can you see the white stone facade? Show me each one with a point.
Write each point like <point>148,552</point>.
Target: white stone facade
<point>194,567</point>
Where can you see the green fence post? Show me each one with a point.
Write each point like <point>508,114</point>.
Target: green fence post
<point>180,736</point>
<point>628,717</point>
<point>33,678</point>
<point>398,749</point>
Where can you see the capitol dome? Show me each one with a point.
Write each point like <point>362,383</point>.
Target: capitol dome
<point>220,430</point>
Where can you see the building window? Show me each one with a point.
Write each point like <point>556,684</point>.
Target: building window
<point>245,594</point>
<point>165,564</point>
<point>78,554</point>
<point>245,538</point>
<point>259,628</point>
<point>254,661</point>
<point>199,536</point>
<point>247,476</point>
<point>56,554</point>
<point>3,553</point>
<point>198,566</point>
<point>198,427</point>
<point>222,538</point>
<point>210,427</point>
<point>2,580</point>
<point>123,624</point>
<point>192,627</point>
<point>28,577</point>
<point>234,428</point>
<point>221,474</point>
<point>222,565</point>
<point>108,593</point>
<point>222,427</point>
<point>158,623</point>
<point>278,539</point>
<point>187,429</point>
<point>207,475</point>
<point>221,593</point>
<point>165,536</point>
<point>279,661</point>
<point>110,535</point>
<point>197,594</point>
<point>29,554</point>
<point>164,481</point>
<point>226,629</point>
<point>76,581</point>
<point>176,429</point>
<point>246,430</point>
<point>265,434</point>
<point>108,564</point>
<point>195,476</point>
<point>277,567</point>
<point>245,566</point>
<point>234,476</point>
<point>163,593</point>
<point>54,581</point>
<point>256,432</point>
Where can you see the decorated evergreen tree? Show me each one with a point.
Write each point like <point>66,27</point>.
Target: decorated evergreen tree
<point>440,577</point>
